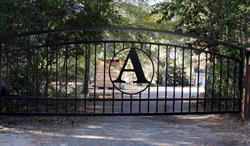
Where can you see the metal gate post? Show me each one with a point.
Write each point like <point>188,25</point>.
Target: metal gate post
<point>246,102</point>
<point>1,75</point>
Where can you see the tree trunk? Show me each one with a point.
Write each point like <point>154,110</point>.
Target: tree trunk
<point>85,89</point>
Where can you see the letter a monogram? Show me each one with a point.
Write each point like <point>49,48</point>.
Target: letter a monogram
<point>132,55</point>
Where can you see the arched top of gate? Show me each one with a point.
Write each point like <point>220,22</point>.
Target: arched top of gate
<point>119,28</point>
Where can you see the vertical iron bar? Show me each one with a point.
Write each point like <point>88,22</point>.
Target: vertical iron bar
<point>234,84</point>
<point>166,80</point>
<point>47,78</point>
<point>212,104</point>
<point>1,104</point>
<point>228,62</point>
<point>220,82</point>
<point>104,66</point>
<point>95,82</point>
<point>27,74</point>
<point>27,80</point>
<point>198,84</point>
<point>123,45</point>
<point>113,90</point>
<point>190,81</point>
<point>205,96</point>
<point>158,74</point>
<point>122,104</point>
<point>131,103</point>
<point>85,78</point>
<point>174,78</point>
<point>8,80</point>
<point>60,73</point>
<point>149,86</point>
<point>56,77</point>
<point>76,58</point>
<point>182,79</point>
<point>140,102</point>
<point>140,92</point>
<point>17,74</point>
<point>66,75</point>
<point>37,84</point>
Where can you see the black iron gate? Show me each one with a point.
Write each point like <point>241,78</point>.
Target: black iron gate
<point>42,74</point>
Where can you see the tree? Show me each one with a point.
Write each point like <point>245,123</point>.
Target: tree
<point>37,15</point>
<point>219,20</point>
<point>24,16</point>
<point>222,20</point>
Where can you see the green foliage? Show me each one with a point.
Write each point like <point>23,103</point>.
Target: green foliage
<point>219,20</point>
<point>25,16</point>
<point>222,20</point>
<point>175,73</point>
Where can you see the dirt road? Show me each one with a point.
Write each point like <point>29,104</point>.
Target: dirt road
<point>149,130</point>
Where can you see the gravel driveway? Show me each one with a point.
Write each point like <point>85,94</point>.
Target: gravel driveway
<point>127,130</point>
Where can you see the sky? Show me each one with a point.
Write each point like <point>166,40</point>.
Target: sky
<point>152,2</point>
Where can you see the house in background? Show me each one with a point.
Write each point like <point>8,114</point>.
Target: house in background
<point>115,70</point>
<point>201,75</point>
<point>195,74</point>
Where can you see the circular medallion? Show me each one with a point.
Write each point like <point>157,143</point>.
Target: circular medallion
<point>131,70</point>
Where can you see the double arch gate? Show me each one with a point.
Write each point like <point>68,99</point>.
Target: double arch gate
<point>45,76</point>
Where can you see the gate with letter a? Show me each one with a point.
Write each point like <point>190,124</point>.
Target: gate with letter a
<point>65,72</point>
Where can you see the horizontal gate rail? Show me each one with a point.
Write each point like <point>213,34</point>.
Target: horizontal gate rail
<point>115,114</point>
<point>118,28</point>
<point>176,99</point>
<point>89,42</point>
